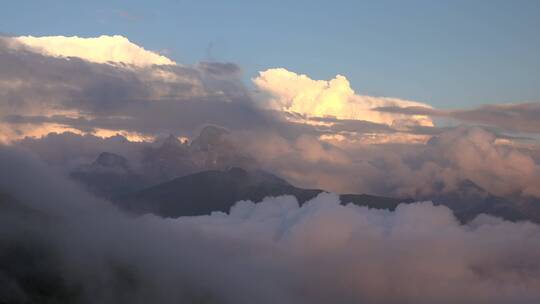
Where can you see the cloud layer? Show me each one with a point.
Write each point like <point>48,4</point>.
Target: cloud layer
<point>518,118</point>
<point>274,251</point>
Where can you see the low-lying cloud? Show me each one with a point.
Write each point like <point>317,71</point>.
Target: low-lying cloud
<point>273,251</point>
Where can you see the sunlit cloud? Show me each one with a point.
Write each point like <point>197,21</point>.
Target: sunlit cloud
<point>102,49</point>
<point>298,93</point>
<point>131,136</point>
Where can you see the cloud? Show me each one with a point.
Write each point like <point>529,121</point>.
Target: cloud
<point>450,158</point>
<point>519,118</point>
<point>316,133</point>
<point>41,93</point>
<point>102,49</point>
<point>474,152</point>
<point>272,251</point>
<point>296,93</point>
<point>67,150</point>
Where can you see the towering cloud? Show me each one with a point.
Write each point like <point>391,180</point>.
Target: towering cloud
<point>296,93</point>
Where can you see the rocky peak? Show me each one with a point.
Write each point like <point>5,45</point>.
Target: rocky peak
<point>111,161</point>
<point>210,136</point>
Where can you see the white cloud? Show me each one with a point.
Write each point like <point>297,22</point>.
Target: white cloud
<point>102,49</point>
<point>298,93</point>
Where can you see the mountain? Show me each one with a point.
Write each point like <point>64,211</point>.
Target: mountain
<point>469,200</point>
<point>209,150</point>
<point>177,178</point>
<point>207,191</point>
<point>110,161</point>
<point>167,161</point>
<point>212,149</point>
<point>12,207</point>
<point>210,138</point>
<point>109,176</point>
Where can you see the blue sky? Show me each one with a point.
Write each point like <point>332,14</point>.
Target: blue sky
<point>446,53</point>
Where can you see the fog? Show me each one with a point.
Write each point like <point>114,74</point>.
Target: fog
<point>272,251</point>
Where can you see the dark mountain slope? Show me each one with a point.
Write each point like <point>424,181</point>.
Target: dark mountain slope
<point>109,176</point>
<point>470,200</point>
<point>204,192</point>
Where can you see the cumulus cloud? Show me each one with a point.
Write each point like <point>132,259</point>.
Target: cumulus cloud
<point>315,133</point>
<point>41,93</point>
<point>298,93</point>
<point>273,251</point>
<point>442,165</point>
<point>475,151</point>
<point>102,49</point>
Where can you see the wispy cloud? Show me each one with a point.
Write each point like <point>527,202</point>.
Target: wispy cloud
<point>522,118</point>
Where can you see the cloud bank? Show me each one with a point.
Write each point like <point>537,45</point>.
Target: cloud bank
<point>518,118</point>
<point>273,251</point>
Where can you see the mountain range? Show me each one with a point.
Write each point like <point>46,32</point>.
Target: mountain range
<point>204,192</point>
<point>179,178</point>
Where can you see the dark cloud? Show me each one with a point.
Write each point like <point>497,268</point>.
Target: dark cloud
<point>153,99</point>
<point>352,125</point>
<point>68,150</point>
<point>219,68</point>
<point>520,118</point>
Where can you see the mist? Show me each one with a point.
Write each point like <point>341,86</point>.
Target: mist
<point>266,252</point>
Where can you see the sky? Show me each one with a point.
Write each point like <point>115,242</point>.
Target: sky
<point>449,54</point>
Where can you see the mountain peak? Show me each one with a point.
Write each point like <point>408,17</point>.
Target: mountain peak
<point>172,140</point>
<point>111,161</point>
<point>237,171</point>
<point>210,136</point>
